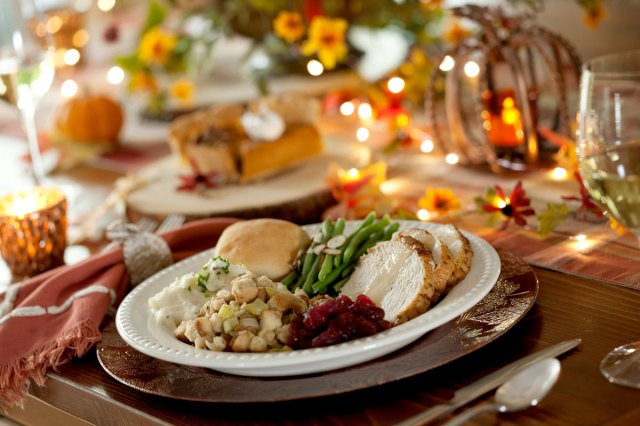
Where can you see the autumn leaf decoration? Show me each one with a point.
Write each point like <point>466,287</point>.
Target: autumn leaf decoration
<point>198,180</point>
<point>514,207</point>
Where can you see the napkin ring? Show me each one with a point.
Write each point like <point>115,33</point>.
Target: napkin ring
<point>144,253</point>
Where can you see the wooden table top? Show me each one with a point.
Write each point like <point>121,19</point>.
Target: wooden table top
<point>602,315</point>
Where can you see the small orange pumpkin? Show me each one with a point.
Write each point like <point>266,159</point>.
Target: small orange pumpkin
<point>90,119</point>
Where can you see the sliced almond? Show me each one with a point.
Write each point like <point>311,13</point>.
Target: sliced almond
<point>337,241</point>
<point>318,249</point>
<point>317,237</point>
<point>332,251</point>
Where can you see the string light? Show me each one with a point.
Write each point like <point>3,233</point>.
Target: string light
<point>365,111</point>
<point>447,64</point>
<point>427,146</point>
<point>423,215</point>
<point>54,24</point>
<point>471,69</point>
<point>115,75</point>
<point>106,5</point>
<point>80,38</point>
<point>69,88</point>
<point>353,174</point>
<point>347,108</point>
<point>559,173</point>
<point>582,243</point>
<point>452,158</point>
<point>315,68</point>
<point>395,85</point>
<point>362,134</point>
<point>71,57</point>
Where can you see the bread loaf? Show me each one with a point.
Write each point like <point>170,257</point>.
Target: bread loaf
<point>264,246</point>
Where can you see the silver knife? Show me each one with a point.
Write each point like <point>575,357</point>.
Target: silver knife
<point>487,383</point>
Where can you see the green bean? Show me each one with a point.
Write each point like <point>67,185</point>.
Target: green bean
<point>337,286</point>
<point>362,235</point>
<point>327,229</point>
<point>327,266</point>
<point>339,226</point>
<point>309,257</point>
<point>388,233</point>
<point>348,270</point>
<point>318,285</point>
<point>368,220</point>
<point>290,278</point>
<point>313,273</point>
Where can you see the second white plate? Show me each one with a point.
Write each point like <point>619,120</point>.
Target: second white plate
<point>138,329</point>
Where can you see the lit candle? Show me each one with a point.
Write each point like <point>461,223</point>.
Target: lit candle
<point>33,227</point>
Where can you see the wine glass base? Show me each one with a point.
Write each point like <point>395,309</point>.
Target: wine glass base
<point>622,365</point>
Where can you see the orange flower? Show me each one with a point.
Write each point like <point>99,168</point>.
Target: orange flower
<point>439,200</point>
<point>156,46</point>
<point>288,26</point>
<point>326,38</point>
<point>182,90</point>
<point>594,14</point>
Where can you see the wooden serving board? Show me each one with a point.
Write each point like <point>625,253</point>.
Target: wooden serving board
<point>298,194</point>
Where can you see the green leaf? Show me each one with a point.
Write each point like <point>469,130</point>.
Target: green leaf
<point>155,16</point>
<point>552,217</point>
<point>129,63</point>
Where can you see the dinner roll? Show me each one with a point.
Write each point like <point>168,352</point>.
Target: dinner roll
<point>265,246</point>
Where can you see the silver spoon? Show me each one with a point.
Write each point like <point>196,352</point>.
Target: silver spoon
<point>523,390</point>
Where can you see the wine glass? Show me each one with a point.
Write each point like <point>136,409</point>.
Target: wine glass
<point>609,161</point>
<point>26,68</point>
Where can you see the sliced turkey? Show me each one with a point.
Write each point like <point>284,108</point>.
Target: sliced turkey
<point>460,249</point>
<point>444,263</point>
<point>398,276</point>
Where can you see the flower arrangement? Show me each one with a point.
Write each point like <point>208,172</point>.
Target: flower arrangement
<point>378,38</point>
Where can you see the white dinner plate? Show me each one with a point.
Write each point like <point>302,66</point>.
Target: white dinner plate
<point>137,327</point>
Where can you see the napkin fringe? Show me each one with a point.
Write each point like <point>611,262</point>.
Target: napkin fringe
<point>16,377</point>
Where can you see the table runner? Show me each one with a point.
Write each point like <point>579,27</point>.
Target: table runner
<point>599,252</point>
<point>49,319</point>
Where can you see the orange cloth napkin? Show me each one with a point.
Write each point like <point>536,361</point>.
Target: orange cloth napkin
<point>52,317</point>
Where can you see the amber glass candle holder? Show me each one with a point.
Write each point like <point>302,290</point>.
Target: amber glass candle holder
<point>503,123</point>
<point>33,231</point>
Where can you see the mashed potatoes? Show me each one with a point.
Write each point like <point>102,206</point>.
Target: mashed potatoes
<point>182,299</point>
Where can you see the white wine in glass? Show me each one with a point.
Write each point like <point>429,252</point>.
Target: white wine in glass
<point>26,69</point>
<point>609,161</point>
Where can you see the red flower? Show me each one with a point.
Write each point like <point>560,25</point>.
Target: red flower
<point>196,179</point>
<point>587,205</point>
<point>515,206</point>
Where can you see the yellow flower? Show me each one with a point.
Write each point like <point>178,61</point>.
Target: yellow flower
<point>156,46</point>
<point>456,33</point>
<point>288,25</point>
<point>142,81</point>
<point>594,14</point>
<point>439,200</point>
<point>182,90</point>
<point>326,38</point>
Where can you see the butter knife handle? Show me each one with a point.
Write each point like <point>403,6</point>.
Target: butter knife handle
<point>430,415</point>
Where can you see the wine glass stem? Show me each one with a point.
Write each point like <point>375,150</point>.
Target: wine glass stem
<point>29,121</point>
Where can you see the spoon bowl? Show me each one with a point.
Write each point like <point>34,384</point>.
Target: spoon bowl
<point>525,389</point>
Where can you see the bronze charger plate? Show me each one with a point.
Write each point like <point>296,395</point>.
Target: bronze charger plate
<point>510,299</point>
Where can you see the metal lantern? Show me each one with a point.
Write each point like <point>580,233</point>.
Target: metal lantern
<point>492,87</point>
